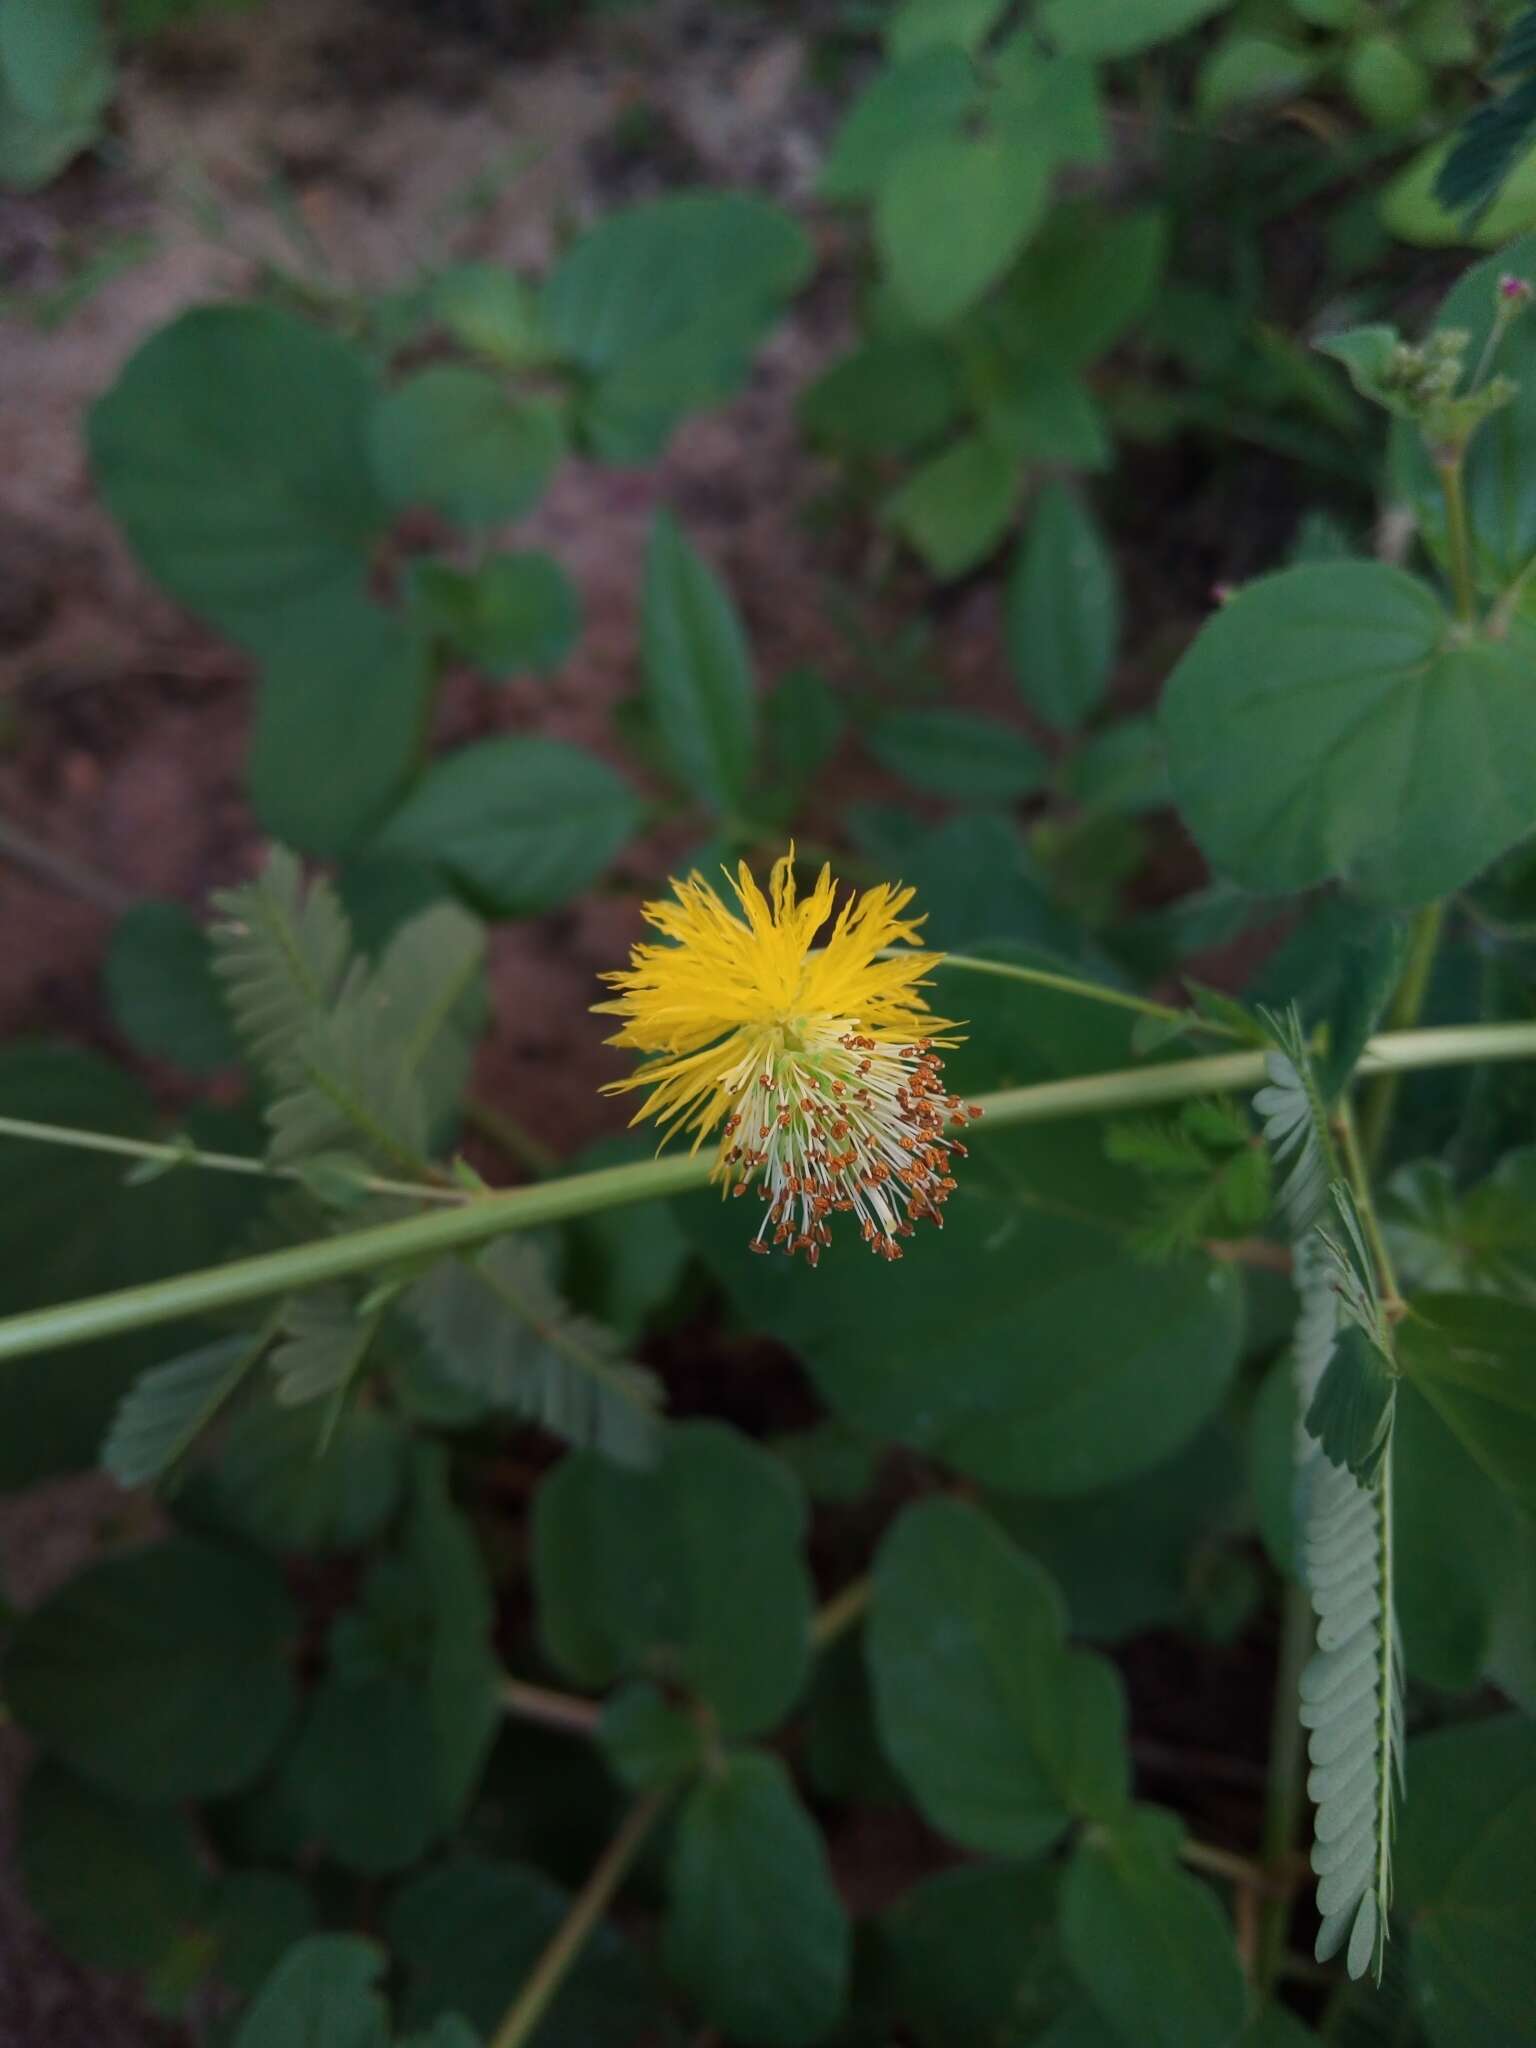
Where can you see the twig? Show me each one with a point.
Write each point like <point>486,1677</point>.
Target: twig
<point>567,1711</point>
<point>63,871</point>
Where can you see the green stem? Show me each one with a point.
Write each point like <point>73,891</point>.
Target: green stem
<point>1283,1786</point>
<point>1458,537</point>
<point>841,1613</point>
<point>1359,1178</point>
<point>576,1929</point>
<point>1403,1013</point>
<point>1072,985</point>
<point>174,1155</point>
<point>490,1216</point>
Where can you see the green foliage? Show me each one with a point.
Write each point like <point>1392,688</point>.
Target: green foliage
<point>158,1674</point>
<point>1063,611</point>
<point>451,438</point>
<point>1002,1733</point>
<point>1375,781</point>
<point>698,674</point>
<point>954,754</point>
<point>321,1995</point>
<point>690,1574</point>
<point>168,1408</point>
<point>755,1931</point>
<point>1208,1177</point>
<point>56,77</point>
<point>1499,131</point>
<point>498,1327</point>
<point>1148,1942</point>
<point>160,985</point>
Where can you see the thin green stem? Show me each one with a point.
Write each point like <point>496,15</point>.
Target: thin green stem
<point>1458,536</point>
<point>841,1613</point>
<point>171,1154</point>
<point>1073,985</point>
<point>1283,1786</point>
<point>489,1216</point>
<point>1358,1175</point>
<point>1402,1014</point>
<point>580,1923</point>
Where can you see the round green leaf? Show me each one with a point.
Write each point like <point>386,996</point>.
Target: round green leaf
<point>1001,1732</point>
<point>955,754</point>
<point>116,1885</point>
<point>456,439</point>
<point>953,212</point>
<point>888,397</point>
<point>1464,1877</point>
<point>161,1674</point>
<point>521,825</point>
<point>290,1480</point>
<point>928,93</point>
<point>321,1995</point>
<point>690,1573</point>
<point>1389,86</point>
<point>971,1959</point>
<point>160,984</point>
<point>490,310</point>
<point>1119,28</point>
<point>362,1773</point>
<point>338,724</point>
<point>468,1934</point>
<point>755,1929</point>
<point>233,452</point>
<point>956,507</point>
<point>1148,1942</point>
<point>1332,721</point>
<point>56,59</point>
<point>515,614</point>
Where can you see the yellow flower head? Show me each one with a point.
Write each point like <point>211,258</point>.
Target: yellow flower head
<point>817,1066</point>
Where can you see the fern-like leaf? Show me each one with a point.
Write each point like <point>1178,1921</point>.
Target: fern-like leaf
<point>322,1348</point>
<point>167,1408</point>
<point>1496,134</point>
<point>1351,1692</point>
<point>496,1325</point>
<point>1296,1124</point>
<point>281,948</point>
<point>1351,1695</point>
<point>352,1053</point>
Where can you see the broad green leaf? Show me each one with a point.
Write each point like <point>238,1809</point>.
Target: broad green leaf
<point>490,310</point>
<point>1063,617</point>
<point>1411,209</point>
<point>1474,1359</point>
<point>972,1959</point>
<point>1051,99</point>
<point>515,614</point>
<point>646,1740</point>
<point>395,1736</point>
<point>660,307</point>
<point>286,1481</point>
<point>159,1674</point>
<point>115,1884</point>
<point>890,396</point>
<point>55,60</point>
<point>831,1461</point>
<point>321,1995</point>
<point>338,727</point>
<point>521,825</point>
<point>952,213</point>
<point>1367,353</point>
<point>1119,28</point>
<point>1085,278</point>
<point>755,1929</point>
<point>1035,411</point>
<point>457,439</point>
<point>159,980</point>
<point>698,671</point>
<point>955,509</point>
<point>690,1574</point>
<point>1462,1550</point>
<point>167,1408</point>
<point>32,150</point>
<point>977,880</point>
<point>954,753</point>
<point>1326,722</point>
<point>1386,81</point>
<point>927,24</point>
<point>468,1933</point>
<point>75,1225</point>
<point>1002,1733</point>
<point>1246,69</point>
<point>497,1326</point>
<point>1148,1942</point>
<point>1127,1558</point>
<point>1465,1881</point>
<point>253,1917</point>
<point>927,94</point>
<point>1051,1362</point>
<point>233,452</point>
